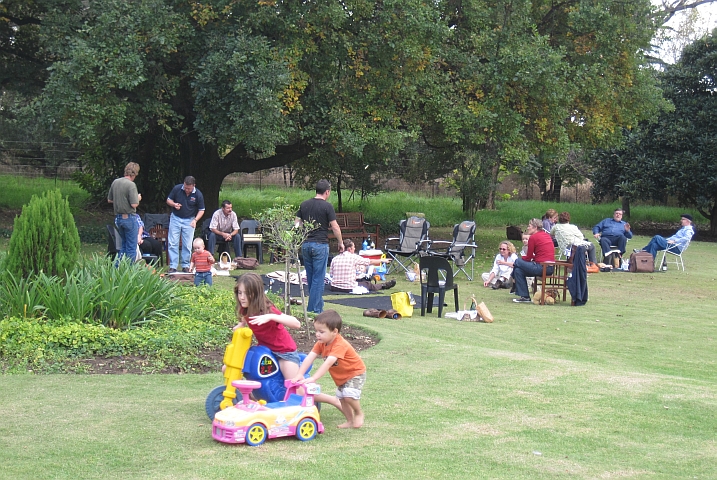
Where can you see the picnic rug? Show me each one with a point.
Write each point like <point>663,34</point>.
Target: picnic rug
<point>381,302</point>
<point>277,286</point>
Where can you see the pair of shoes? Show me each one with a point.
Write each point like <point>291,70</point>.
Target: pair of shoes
<point>186,270</point>
<point>172,270</point>
<point>498,284</point>
<point>389,284</point>
<point>523,300</point>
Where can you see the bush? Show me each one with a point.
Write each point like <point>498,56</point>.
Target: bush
<point>44,237</point>
<point>47,345</point>
<point>94,292</point>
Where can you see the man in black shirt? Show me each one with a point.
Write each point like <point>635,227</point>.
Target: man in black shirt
<point>315,250</point>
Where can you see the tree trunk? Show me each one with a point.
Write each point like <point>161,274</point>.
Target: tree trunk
<point>556,185</point>
<point>626,206</point>
<point>495,170</point>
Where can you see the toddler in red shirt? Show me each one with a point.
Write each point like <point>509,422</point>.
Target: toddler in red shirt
<point>201,262</point>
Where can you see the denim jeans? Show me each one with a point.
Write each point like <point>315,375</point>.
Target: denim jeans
<point>523,269</point>
<point>127,229</point>
<point>180,227</point>
<point>658,243</point>
<point>316,256</point>
<point>236,242</point>
<point>200,277</point>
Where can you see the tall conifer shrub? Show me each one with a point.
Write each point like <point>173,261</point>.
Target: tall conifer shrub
<point>44,237</point>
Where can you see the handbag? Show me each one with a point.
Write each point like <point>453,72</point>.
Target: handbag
<point>592,267</point>
<point>246,263</point>
<point>401,302</point>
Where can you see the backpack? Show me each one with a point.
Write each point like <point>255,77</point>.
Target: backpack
<point>642,262</point>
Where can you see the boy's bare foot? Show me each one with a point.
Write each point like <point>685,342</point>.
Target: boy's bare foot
<point>358,420</point>
<point>346,425</point>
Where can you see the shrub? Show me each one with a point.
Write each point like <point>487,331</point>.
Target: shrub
<point>44,237</point>
<point>94,292</point>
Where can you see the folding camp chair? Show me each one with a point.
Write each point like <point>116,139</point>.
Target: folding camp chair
<point>461,250</point>
<point>410,244</point>
<point>676,250</point>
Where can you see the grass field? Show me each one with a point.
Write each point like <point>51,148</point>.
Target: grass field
<point>624,387</point>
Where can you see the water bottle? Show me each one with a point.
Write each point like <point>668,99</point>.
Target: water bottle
<point>364,245</point>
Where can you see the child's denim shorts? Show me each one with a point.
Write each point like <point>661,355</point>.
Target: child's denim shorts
<point>292,357</point>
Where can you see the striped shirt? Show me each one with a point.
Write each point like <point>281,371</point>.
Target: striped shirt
<point>202,261</point>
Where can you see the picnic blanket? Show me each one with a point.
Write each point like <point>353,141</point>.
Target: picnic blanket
<point>379,302</point>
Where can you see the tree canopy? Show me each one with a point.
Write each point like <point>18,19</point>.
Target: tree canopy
<point>675,155</point>
<point>208,89</point>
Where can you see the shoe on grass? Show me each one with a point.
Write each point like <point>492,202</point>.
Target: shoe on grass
<point>389,284</point>
<point>522,300</point>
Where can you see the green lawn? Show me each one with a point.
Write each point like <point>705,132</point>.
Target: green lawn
<point>624,387</point>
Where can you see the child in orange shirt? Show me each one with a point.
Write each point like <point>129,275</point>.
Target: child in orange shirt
<point>202,261</point>
<point>343,364</point>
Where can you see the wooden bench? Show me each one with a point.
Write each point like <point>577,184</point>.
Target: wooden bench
<point>354,227</point>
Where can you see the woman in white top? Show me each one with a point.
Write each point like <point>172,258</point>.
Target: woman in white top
<point>499,276</point>
<point>567,235</point>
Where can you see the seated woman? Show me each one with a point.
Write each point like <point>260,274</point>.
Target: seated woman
<point>500,274</point>
<point>540,249</point>
<point>344,268</point>
<point>145,242</point>
<point>549,219</point>
<point>568,235</point>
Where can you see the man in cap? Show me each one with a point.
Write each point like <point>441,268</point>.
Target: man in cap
<point>676,243</point>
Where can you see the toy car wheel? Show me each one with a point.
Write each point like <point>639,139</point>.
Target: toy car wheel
<point>256,435</point>
<point>306,430</point>
<point>214,400</point>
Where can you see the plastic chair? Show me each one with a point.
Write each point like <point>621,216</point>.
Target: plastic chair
<point>432,284</point>
<point>152,220</point>
<point>412,242</point>
<point>251,234</point>
<point>675,250</point>
<point>114,245</point>
<point>455,250</point>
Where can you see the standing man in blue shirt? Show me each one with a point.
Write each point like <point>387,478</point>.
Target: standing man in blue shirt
<point>315,250</point>
<point>188,204</point>
<point>613,231</point>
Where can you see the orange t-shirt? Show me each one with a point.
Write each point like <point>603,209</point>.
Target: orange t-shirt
<point>348,363</point>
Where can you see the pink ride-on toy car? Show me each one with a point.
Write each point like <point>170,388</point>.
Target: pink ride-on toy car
<point>252,422</point>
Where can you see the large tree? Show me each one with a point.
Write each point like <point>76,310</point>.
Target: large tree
<point>675,155</point>
<point>226,86</point>
<point>208,89</point>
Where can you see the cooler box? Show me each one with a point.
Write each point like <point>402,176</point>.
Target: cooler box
<point>371,254</point>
